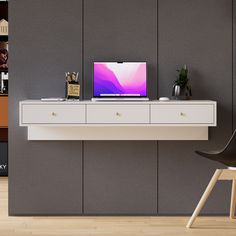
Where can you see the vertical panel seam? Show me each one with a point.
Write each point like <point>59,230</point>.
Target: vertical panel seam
<point>157,168</point>
<point>233,49</point>
<point>82,99</point>
<point>82,147</point>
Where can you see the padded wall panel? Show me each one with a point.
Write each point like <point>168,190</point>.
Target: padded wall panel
<point>45,178</point>
<point>124,30</point>
<point>120,178</point>
<point>199,34</point>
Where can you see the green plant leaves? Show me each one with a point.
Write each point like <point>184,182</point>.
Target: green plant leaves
<point>182,78</point>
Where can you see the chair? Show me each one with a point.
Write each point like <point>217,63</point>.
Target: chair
<point>227,156</point>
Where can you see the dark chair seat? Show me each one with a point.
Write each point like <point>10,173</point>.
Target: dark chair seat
<point>226,156</point>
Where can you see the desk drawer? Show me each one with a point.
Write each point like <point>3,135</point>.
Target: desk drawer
<point>182,114</point>
<point>53,114</point>
<point>118,114</point>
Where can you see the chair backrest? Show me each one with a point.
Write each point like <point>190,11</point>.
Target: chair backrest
<point>230,147</point>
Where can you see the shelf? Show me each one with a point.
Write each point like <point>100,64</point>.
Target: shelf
<point>3,134</point>
<point>3,70</point>
<point>4,38</point>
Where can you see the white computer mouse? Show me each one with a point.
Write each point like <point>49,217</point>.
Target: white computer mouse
<point>163,99</point>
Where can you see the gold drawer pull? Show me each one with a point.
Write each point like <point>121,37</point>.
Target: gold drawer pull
<point>54,114</point>
<point>118,114</point>
<point>183,114</point>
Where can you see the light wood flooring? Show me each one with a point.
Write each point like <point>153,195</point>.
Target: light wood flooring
<point>104,226</point>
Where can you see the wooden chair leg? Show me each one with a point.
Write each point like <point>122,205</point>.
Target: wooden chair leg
<point>233,200</point>
<point>204,197</point>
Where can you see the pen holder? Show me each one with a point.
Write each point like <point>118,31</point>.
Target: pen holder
<point>72,85</point>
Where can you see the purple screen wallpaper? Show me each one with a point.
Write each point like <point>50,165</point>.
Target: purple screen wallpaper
<point>119,79</point>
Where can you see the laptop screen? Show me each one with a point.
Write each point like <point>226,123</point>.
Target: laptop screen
<point>120,79</point>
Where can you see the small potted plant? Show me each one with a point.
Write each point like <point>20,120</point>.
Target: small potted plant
<point>182,89</point>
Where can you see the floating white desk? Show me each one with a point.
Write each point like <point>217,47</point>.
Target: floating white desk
<point>86,120</point>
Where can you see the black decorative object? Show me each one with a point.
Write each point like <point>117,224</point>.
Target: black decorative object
<point>226,155</point>
<point>3,159</point>
<point>181,89</point>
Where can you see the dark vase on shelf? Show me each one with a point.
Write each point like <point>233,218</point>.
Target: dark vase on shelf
<point>181,92</point>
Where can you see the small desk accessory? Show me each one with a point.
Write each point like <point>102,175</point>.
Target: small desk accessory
<point>181,89</point>
<point>53,99</point>
<point>164,99</point>
<point>72,85</point>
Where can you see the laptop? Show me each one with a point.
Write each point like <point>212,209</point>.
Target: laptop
<point>120,81</point>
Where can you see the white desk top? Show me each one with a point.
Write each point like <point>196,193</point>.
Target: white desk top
<point>151,102</point>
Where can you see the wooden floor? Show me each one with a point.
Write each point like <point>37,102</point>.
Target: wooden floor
<point>104,226</point>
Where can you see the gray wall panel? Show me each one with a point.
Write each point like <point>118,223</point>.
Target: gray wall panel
<point>45,177</point>
<point>124,30</point>
<point>120,177</point>
<point>198,33</point>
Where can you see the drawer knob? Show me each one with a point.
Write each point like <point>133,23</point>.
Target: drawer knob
<point>54,114</point>
<point>118,114</point>
<point>182,114</point>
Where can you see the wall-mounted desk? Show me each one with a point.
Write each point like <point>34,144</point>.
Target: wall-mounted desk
<point>86,120</point>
